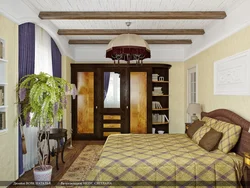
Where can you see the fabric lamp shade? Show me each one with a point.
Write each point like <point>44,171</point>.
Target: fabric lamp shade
<point>128,47</point>
<point>194,108</point>
<point>247,159</point>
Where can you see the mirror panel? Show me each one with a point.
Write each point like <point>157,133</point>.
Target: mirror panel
<point>111,90</point>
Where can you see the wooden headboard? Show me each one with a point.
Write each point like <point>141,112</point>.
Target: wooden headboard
<point>243,144</point>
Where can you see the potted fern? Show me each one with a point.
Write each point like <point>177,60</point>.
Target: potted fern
<point>41,99</point>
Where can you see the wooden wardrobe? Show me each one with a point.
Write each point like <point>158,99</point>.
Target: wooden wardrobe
<point>117,99</point>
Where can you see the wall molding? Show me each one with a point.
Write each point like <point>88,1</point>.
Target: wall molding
<point>231,75</point>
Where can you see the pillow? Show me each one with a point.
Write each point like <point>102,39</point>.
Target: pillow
<point>194,127</point>
<point>209,121</point>
<point>231,134</point>
<point>200,133</point>
<point>210,140</point>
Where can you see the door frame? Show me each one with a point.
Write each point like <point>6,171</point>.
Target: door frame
<point>188,88</point>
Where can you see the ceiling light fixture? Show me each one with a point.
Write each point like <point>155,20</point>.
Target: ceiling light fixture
<point>128,47</point>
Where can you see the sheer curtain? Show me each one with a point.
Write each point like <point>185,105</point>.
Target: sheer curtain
<point>43,63</point>
<point>112,99</point>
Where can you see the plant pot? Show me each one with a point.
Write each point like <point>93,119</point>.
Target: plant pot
<point>41,176</point>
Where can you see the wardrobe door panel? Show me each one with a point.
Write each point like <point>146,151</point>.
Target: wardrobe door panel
<point>85,103</point>
<point>138,102</point>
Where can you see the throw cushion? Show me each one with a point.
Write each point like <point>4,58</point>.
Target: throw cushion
<point>200,133</point>
<point>209,121</point>
<point>210,140</point>
<point>194,127</point>
<point>231,134</point>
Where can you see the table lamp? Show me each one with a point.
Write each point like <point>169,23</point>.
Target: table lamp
<point>193,109</point>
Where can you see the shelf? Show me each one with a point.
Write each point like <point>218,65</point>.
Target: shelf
<point>163,123</point>
<point>160,95</point>
<point>3,60</point>
<point>160,109</point>
<point>3,107</point>
<point>3,84</point>
<point>160,82</point>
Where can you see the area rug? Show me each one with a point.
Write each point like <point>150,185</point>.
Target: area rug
<point>83,164</point>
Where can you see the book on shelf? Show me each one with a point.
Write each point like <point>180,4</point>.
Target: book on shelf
<point>166,118</point>
<point>159,118</point>
<point>155,77</point>
<point>157,91</point>
<point>156,105</point>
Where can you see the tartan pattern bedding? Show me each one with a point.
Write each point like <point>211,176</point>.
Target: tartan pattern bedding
<point>168,160</point>
<point>231,134</point>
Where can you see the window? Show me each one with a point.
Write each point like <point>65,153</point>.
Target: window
<point>192,86</point>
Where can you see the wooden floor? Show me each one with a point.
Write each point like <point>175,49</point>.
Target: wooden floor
<point>69,157</point>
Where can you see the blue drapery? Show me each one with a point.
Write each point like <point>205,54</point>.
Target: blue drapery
<point>106,83</point>
<point>56,59</point>
<point>26,64</point>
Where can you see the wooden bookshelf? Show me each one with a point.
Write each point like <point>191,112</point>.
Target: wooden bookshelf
<point>163,82</point>
<point>160,95</point>
<point>161,123</point>
<point>160,109</point>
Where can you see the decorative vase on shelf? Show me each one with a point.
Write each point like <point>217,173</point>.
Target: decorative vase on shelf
<point>153,130</point>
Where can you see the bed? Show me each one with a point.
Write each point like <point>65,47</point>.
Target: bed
<point>170,160</point>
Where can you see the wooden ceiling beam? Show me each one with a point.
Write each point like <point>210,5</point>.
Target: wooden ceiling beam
<point>132,15</point>
<point>148,41</point>
<point>134,31</point>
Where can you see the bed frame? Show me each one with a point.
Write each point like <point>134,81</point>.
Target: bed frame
<point>243,144</point>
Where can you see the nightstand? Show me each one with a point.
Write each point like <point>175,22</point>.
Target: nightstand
<point>187,125</point>
<point>246,172</point>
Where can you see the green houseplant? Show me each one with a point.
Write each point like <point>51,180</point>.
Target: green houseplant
<point>41,102</point>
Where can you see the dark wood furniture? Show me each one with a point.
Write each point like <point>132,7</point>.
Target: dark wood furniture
<point>187,125</point>
<point>243,145</point>
<point>91,120</point>
<point>58,135</point>
<point>163,99</point>
<point>246,176</point>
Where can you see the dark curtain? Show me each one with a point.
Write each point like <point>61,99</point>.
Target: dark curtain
<point>56,59</point>
<point>106,83</point>
<point>26,64</point>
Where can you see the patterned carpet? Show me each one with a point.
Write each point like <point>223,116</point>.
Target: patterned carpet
<point>84,163</point>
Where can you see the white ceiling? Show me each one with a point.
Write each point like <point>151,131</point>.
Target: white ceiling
<point>133,5</point>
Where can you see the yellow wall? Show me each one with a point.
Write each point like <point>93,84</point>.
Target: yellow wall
<point>176,98</point>
<point>8,140</point>
<point>236,43</point>
<point>66,74</point>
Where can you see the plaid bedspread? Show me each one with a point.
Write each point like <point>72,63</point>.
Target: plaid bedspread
<point>168,160</point>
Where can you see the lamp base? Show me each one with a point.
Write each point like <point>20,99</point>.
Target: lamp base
<point>194,118</point>
<point>70,146</point>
